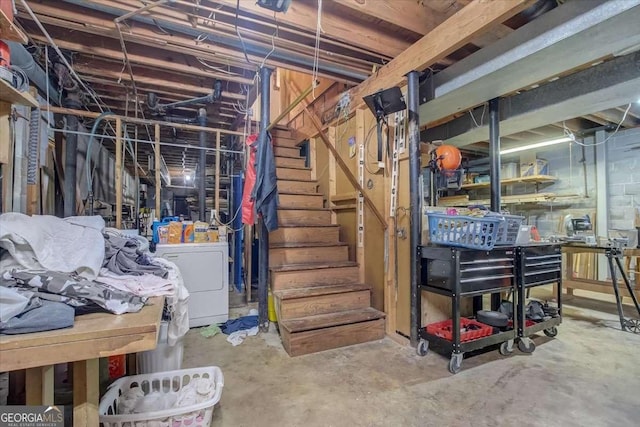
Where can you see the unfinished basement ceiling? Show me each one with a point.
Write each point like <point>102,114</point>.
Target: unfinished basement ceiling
<point>178,49</point>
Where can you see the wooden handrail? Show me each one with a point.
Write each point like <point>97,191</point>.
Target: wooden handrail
<point>352,179</point>
<point>293,105</point>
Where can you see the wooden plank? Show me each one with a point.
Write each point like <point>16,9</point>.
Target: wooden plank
<point>293,174</point>
<point>596,286</point>
<point>39,385</point>
<point>303,255</point>
<point>6,156</point>
<point>443,40</point>
<point>290,162</point>
<point>299,201</point>
<point>329,234</point>
<point>304,217</point>
<point>86,393</point>
<point>315,305</point>
<point>119,167</point>
<point>343,197</point>
<point>412,15</point>
<point>301,343</point>
<point>9,31</point>
<point>10,94</point>
<point>157,171</point>
<point>321,290</point>
<point>338,27</point>
<point>293,152</point>
<point>331,319</point>
<point>519,180</point>
<point>304,278</point>
<point>285,186</point>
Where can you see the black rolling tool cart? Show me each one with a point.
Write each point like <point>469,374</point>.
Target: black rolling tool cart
<point>537,264</point>
<point>461,273</point>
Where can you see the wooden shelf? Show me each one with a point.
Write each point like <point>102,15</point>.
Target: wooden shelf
<point>9,94</point>
<point>506,200</point>
<point>537,179</point>
<point>8,31</point>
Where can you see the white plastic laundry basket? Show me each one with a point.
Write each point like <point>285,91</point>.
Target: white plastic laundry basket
<point>171,382</point>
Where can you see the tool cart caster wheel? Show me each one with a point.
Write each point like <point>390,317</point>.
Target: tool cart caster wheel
<point>551,332</point>
<point>633,325</point>
<point>455,364</point>
<point>423,347</point>
<point>506,348</point>
<point>526,346</point>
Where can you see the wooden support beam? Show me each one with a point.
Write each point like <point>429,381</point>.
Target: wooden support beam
<point>118,184</point>
<point>412,15</point>
<point>157,171</point>
<point>304,15</point>
<point>352,179</point>
<point>445,39</point>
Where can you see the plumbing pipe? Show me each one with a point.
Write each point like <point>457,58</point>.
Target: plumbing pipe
<point>70,158</point>
<point>202,167</point>
<point>21,58</point>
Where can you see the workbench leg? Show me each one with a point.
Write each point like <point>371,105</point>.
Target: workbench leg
<point>39,386</point>
<point>85,393</point>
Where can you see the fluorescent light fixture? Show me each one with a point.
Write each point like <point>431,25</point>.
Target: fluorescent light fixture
<point>187,177</point>
<point>536,145</point>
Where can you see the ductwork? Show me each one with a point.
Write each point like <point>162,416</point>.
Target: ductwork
<point>20,57</point>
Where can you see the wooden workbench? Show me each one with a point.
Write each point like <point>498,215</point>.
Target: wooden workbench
<point>93,336</point>
<point>570,281</point>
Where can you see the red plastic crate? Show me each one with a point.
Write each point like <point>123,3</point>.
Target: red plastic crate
<point>444,330</point>
<point>527,324</point>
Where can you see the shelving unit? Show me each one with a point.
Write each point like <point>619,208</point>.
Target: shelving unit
<point>534,179</point>
<point>8,30</point>
<point>9,94</point>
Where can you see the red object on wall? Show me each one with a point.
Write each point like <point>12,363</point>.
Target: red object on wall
<point>5,54</point>
<point>248,205</point>
<point>448,157</point>
<point>117,366</point>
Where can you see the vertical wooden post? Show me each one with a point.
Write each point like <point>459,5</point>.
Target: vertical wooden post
<point>86,393</point>
<point>333,179</point>
<point>217,184</point>
<point>118,173</point>
<point>39,386</point>
<point>360,136</point>
<point>157,167</point>
<point>6,156</point>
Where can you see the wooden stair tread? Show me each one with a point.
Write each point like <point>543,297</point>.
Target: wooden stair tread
<point>286,208</point>
<point>300,168</point>
<point>299,193</point>
<point>308,226</point>
<point>320,321</point>
<point>290,245</point>
<point>313,266</point>
<point>287,294</point>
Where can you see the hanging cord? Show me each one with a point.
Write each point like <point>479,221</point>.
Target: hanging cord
<point>484,108</point>
<point>316,52</point>
<point>570,134</point>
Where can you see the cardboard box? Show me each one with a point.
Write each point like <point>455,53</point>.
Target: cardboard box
<point>539,167</point>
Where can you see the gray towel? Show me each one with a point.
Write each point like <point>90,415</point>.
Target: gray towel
<point>39,316</point>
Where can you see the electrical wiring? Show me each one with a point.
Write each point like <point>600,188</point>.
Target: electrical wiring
<point>570,134</point>
<point>221,70</point>
<point>484,109</point>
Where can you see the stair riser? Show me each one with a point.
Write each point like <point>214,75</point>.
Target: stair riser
<point>285,142</point>
<point>296,201</point>
<point>288,162</point>
<point>303,217</point>
<point>281,280</point>
<point>297,186</point>
<point>293,174</point>
<point>322,304</point>
<point>305,235</point>
<point>299,343</point>
<point>282,256</point>
<point>286,152</point>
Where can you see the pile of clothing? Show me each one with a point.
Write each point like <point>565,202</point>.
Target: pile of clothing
<point>52,269</point>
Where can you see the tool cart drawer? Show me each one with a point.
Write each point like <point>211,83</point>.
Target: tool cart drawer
<point>539,265</point>
<point>474,270</point>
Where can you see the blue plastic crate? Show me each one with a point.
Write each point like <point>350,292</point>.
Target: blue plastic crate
<point>464,231</point>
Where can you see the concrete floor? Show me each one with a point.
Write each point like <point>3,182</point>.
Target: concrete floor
<point>589,375</point>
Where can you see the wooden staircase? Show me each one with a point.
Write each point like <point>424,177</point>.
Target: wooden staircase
<point>319,301</point>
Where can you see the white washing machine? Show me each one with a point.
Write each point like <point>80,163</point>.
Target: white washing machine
<point>205,270</point>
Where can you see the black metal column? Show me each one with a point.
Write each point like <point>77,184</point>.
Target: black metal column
<point>70,157</point>
<point>494,168</point>
<point>202,167</point>
<point>413,106</point>
<point>263,248</point>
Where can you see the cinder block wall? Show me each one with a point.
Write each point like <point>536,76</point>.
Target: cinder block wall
<point>624,178</point>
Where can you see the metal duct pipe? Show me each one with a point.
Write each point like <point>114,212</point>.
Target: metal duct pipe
<point>413,104</point>
<point>263,248</point>
<point>20,57</point>
<point>70,157</point>
<point>202,167</point>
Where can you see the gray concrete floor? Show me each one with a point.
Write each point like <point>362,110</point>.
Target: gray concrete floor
<point>589,375</point>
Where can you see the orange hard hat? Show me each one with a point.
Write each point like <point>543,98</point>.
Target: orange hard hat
<point>448,157</point>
